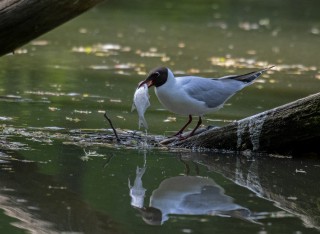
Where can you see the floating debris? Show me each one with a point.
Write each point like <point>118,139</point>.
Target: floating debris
<point>14,98</point>
<point>247,26</point>
<point>151,54</point>
<point>101,49</point>
<point>170,119</point>
<point>79,137</point>
<point>220,120</point>
<point>106,47</point>
<point>57,187</point>
<point>315,31</point>
<point>115,100</point>
<point>40,43</point>
<point>21,51</point>
<point>181,45</point>
<point>264,22</point>
<point>100,67</point>
<point>73,94</point>
<point>5,144</point>
<point>301,171</point>
<point>4,118</point>
<point>73,119</point>
<point>83,30</point>
<point>82,112</point>
<point>251,52</point>
<point>92,153</point>
<point>53,128</point>
<point>53,108</point>
<point>46,93</point>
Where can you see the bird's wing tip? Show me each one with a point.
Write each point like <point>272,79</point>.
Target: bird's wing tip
<point>270,67</point>
<point>267,68</point>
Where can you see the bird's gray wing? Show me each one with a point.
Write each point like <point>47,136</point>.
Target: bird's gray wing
<point>213,92</point>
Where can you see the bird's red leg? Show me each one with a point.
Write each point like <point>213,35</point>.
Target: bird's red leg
<point>184,127</point>
<point>198,124</point>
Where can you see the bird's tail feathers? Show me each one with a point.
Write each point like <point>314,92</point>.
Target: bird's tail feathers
<point>249,77</point>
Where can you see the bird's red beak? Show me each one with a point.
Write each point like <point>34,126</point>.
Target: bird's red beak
<point>149,82</point>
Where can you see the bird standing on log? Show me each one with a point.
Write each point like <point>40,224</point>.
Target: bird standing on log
<point>193,95</point>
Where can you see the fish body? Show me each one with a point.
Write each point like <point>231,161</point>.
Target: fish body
<point>141,103</point>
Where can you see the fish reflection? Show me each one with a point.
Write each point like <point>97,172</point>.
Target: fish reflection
<point>184,195</point>
<point>137,191</point>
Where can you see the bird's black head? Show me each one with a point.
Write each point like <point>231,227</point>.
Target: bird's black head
<point>156,77</point>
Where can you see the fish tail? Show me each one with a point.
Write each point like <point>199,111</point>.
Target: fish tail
<point>133,107</point>
<point>143,122</point>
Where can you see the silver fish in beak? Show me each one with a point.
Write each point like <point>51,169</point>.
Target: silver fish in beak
<point>141,103</point>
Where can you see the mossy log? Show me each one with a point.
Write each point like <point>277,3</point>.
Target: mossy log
<point>292,129</point>
<point>24,20</point>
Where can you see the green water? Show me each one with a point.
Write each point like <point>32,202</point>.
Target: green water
<point>67,79</point>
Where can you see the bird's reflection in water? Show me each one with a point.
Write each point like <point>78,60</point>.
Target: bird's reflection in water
<point>184,195</point>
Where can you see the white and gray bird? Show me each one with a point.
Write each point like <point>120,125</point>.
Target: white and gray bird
<point>193,95</point>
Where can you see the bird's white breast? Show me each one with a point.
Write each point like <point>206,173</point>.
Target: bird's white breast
<point>175,99</point>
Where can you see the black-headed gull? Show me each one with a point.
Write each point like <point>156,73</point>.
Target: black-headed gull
<point>193,95</point>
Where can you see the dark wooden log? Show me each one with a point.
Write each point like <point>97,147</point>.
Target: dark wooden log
<point>293,128</point>
<point>24,20</point>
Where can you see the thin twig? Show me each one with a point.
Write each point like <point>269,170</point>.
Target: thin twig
<point>186,166</point>
<point>114,130</point>
<point>108,160</point>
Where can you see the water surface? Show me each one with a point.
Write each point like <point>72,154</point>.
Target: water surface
<point>66,79</point>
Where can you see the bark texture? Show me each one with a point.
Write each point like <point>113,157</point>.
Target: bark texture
<point>24,20</point>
